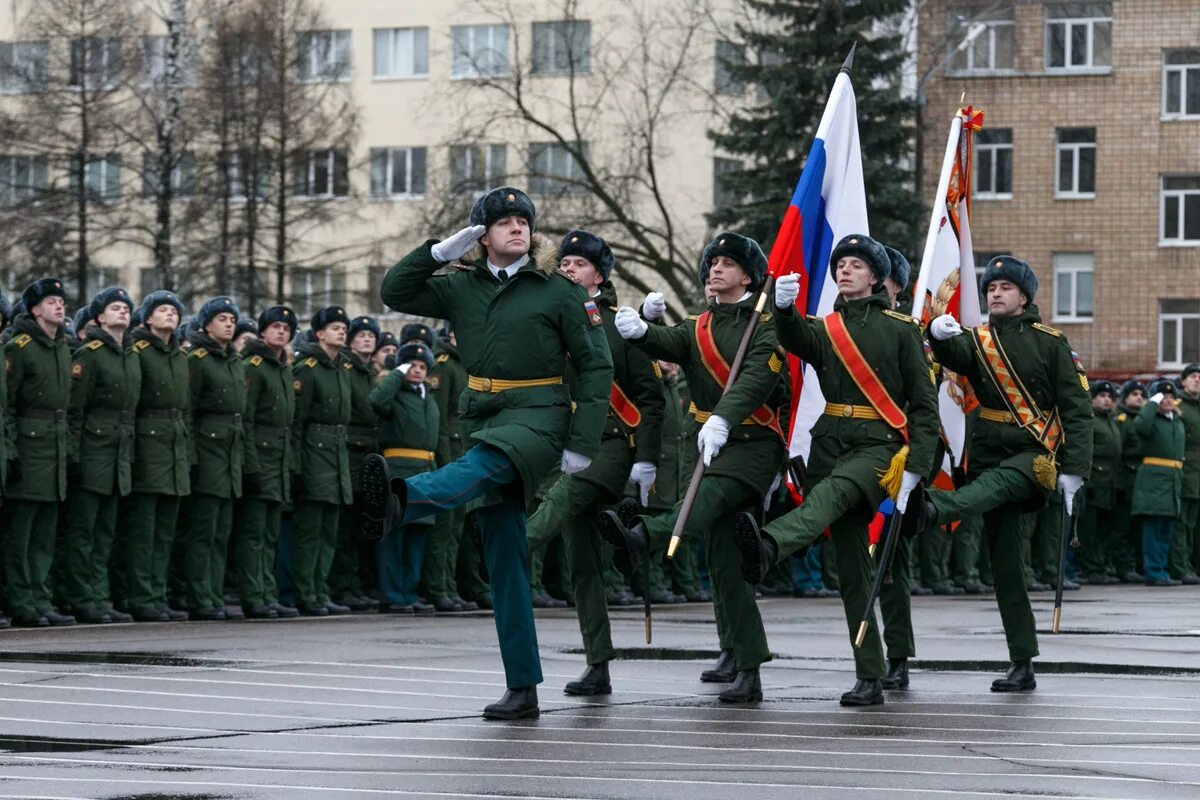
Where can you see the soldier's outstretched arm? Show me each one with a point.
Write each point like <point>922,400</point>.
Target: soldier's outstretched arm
<point>1074,409</point>
<point>754,384</point>
<point>668,343</point>
<point>647,394</point>
<point>384,392</point>
<point>410,285</point>
<point>593,364</point>
<point>956,353</point>
<point>924,425</point>
<point>797,334</point>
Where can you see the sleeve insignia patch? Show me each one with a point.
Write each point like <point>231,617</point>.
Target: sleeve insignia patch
<point>8,365</point>
<point>255,361</point>
<point>775,363</point>
<point>77,369</point>
<point>1083,381</point>
<point>593,313</point>
<point>94,344</point>
<point>23,339</point>
<point>140,345</point>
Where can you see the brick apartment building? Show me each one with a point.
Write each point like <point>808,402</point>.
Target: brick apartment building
<point>1088,166</point>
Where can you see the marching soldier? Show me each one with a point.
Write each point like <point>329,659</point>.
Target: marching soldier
<point>742,461</point>
<point>877,437</point>
<point>629,451</point>
<point>38,362</point>
<point>1157,488</point>
<point>517,322</point>
<point>106,384</point>
<point>266,479</point>
<point>218,402</point>
<point>1035,422</point>
<point>321,481</point>
<point>1097,525</point>
<point>1183,540</point>
<point>161,447</point>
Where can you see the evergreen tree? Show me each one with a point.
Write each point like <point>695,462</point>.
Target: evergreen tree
<point>794,51</point>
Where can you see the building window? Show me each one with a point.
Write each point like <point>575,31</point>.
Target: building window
<point>554,170</point>
<point>562,48</point>
<point>314,288</point>
<point>479,51</point>
<point>475,168</point>
<point>994,164</point>
<point>183,175</point>
<point>374,302</point>
<point>323,56</point>
<point>723,197</point>
<point>101,176</point>
<point>153,67</point>
<point>321,173</point>
<point>23,179</point>
<point>730,55</point>
<point>244,168</point>
<point>23,66</point>
<point>986,42</point>
<point>397,172</point>
<point>401,52</point>
<point>1073,273</point>
<point>96,63</point>
<point>1178,333</point>
<point>1078,36</point>
<point>982,259</point>
<point>1075,152</point>
<point>1181,209</point>
<point>1181,84</point>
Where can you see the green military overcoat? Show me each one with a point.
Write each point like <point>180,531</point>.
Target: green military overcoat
<point>270,409</point>
<point>218,387</point>
<point>162,444</point>
<point>1157,490</point>
<point>408,419</point>
<point>448,380</point>
<point>106,384</point>
<point>38,392</point>
<point>323,401</point>
<point>1106,460</point>
<point>1189,411</point>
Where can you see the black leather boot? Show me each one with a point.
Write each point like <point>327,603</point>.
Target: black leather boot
<point>864,693</point>
<point>897,676</point>
<point>1019,678</point>
<point>516,704</point>
<point>747,688</point>
<point>593,681</point>
<point>623,529</point>
<point>757,549</point>
<point>724,671</point>
<point>375,506</point>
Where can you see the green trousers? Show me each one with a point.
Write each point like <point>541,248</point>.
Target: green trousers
<point>210,519</point>
<point>838,504</point>
<point>471,581</point>
<point>1045,541</point>
<point>30,528</point>
<point>934,547</point>
<point>150,526</point>
<point>1183,539</point>
<point>658,534</point>
<point>257,538</point>
<point>895,604</point>
<point>1097,530</point>
<point>313,545</point>
<point>997,494</point>
<point>343,578</point>
<point>85,547</point>
<point>964,550</point>
<point>441,554</point>
<point>1125,547</point>
<point>569,507</point>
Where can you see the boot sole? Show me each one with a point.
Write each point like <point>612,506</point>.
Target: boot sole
<point>894,685</point>
<point>746,537</point>
<point>614,526</point>
<point>754,698</point>
<point>532,713</point>
<point>710,676</point>
<point>583,691</point>
<point>371,499</point>
<point>1028,688</point>
<point>858,703</point>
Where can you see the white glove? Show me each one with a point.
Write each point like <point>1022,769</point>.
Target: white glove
<point>458,245</point>
<point>1157,398</point>
<point>787,289</point>
<point>1069,485</point>
<point>654,306</point>
<point>712,437</point>
<point>403,368</point>
<point>944,327</point>
<point>907,483</point>
<point>573,462</point>
<point>629,324</point>
<point>642,476</point>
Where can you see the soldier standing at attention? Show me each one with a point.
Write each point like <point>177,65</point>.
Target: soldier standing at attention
<point>1098,526</point>
<point>386,345</point>
<point>106,384</point>
<point>217,380</point>
<point>161,447</point>
<point>321,481</point>
<point>1157,488</point>
<point>1183,539</point>
<point>1033,435</point>
<point>5,448</point>
<point>38,365</point>
<point>517,322</point>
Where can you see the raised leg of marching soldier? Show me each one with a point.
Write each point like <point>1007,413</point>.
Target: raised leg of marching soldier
<point>964,555</point>
<point>895,606</point>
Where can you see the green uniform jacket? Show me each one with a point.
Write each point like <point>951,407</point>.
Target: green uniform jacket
<point>106,384</point>
<point>671,480</point>
<point>406,419</point>
<point>39,390</point>
<point>1157,491</point>
<point>1189,410</point>
<point>1106,460</point>
<point>6,434</point>
<point>891,344</point>
<point>1131,452</point>
<point>754,454</point>
<point>523,329</point>
<point>448,381</point>
<point>1044,363</point>
<point>362,435</point>
<point>218,386</point>
<point>270,408</point>
<point>323,399</point>
<point>162,444</point>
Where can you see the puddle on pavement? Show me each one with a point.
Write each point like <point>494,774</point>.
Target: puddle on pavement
<point>46,744</point>
<point>137,659</point>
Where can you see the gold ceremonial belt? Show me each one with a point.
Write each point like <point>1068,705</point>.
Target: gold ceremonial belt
<point>494,385</point>
<point>992,415</point>
<point>702,416</point>
<point>408,452</point>
<point>851,412</point>
<point>1170,463</point>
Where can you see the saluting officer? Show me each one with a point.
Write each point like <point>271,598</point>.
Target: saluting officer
<point>1158,486</point>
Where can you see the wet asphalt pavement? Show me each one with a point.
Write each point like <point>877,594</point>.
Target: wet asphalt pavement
<point>385,706</point>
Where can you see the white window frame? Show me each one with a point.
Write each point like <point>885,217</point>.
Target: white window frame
<point>392,154</point>
<point>992,148</point>
<point>1182,70</point>
<point>1177,317</point>
<point>153,52</point>
<point>304,297</point>
<point>34,165</point>
<point>560,37</point>
<point>107,43</point>
<point>492,176</point>
<point>465,65</point>
<point>988,35</point>
<point>177,174</point>
<point>1068,23</point>
<point>565,182</point>
<point>25,66</point>
<point>96,168</point>
<point>1074,148</point>
<point>236,177</point>
<point>312,159</point>
<point>1067,268</point>
<point>1180,195</point>
<point>418,38</point>
<point>324,49</point>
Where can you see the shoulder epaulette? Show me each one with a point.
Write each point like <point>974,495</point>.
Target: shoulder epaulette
<point>443,358</point>
<point>1047,329</point>
<point>310,362</point>
<point>1122,417</point>
<point>141,344</point>
<point>199,352</point>
<point>255,360</point>
<point>347,365</point>
<point>94,344</point>
<point>899,316</point>
<point>23,340</point>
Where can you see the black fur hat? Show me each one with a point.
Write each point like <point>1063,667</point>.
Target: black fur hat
<point>742,249</point>
<point>161,297</point>
<point>501,202</point>
<point>1100,387</point>
<point>210,309</point>
<point>329,315</point>
<point>363,324</point>
<point>82,317</point>
<point>1013,269</point>
<point>384,339</point>
<point>1130,386</point>
<point>278,314</point>
<point>589,246</point>
<point>872,253</point>
<point>106,297</point>
<point>1163,385</point>
<point>411,352</point>
<point>6,312</point>
<point>245,325</point>
<point>901,269</point>
<point>40,289</point>
<point>1188,370</point>
<point>417,330</point>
